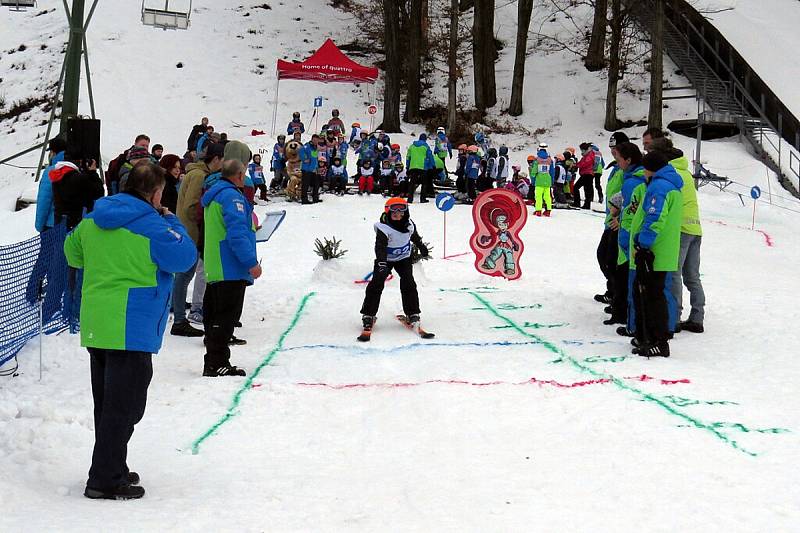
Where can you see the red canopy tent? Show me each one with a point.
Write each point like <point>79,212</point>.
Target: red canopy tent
<point>326,65</point>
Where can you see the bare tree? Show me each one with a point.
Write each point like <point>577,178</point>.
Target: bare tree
<point>452,66</point>
<point>483,54</point>
<point>391,86</point>
<point>524,10</point>
<point>413,81</point>
<point>614,66</point>
<point>654,118</point>
<point>596,56</point>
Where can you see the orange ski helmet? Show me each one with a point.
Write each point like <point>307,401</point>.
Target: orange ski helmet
<point>395,204</point>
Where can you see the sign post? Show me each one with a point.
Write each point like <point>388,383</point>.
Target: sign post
<point>317,107</point>
<point>755,193</point>
<point>444,203</point>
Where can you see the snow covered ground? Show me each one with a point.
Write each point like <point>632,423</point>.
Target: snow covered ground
<point>524,413</point>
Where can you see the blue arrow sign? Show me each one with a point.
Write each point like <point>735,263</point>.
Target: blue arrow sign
<point>755,192</point>
<point>445,201</point>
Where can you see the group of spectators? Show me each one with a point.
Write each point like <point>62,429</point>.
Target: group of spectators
<point>165,219</point>
<point>650,246</point>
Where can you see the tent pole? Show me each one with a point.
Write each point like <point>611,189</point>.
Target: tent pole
<point>275,107</point>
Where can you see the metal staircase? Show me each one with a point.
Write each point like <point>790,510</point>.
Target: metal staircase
<point>722,100</point>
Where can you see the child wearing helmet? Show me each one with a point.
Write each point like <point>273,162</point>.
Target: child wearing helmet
<point>278,165</point>
<point>366,178</point>
<point>544,169</point>
<point>335,124</point>
<point>338,176</point>
<point>472,172</point>
<point>355,132</point>
<point>387,177</point>
<point>296,124</point>
<point>401,179</point>
<point>394,234</point>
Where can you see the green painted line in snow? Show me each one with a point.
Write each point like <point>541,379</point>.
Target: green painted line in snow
<point>534,325</point>
<point>248,383</point>
<point>655,400</point>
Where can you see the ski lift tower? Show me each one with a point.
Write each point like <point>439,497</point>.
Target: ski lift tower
<point>166,18</point>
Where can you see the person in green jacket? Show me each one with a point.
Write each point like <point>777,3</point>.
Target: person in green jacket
<point>655,246</point>
<point>688,272</point>
<point>607,249</point>
<point>129,247</point>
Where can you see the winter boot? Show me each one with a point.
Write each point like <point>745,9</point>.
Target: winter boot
<point>624,331</point>
<point>546,213</point>
<point>610,321</point>
<point>367,322</point>
<point>537,213</point>
<point>659,349</point>
<point>688,325</point>
<point>609,310</point>
<point>226,370</point>
<point>184,329</point>
<point>603,298</point>
<point>123,492</point>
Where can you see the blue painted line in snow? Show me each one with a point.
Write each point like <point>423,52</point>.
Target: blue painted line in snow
<point>407,347</point>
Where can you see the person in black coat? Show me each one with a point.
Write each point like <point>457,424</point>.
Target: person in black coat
<point>76,186</point>
<point>194,136</point>
<point>173,169</point>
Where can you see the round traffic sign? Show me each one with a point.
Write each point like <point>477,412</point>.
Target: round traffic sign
<point>445,201</point>
<point>755,192</point>
<point>372,109</point>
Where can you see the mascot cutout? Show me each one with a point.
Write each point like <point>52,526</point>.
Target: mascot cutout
<point>499,216</point>
<point>292,152</point>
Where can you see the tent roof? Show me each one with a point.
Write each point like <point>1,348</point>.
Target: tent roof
<point>328,65</point>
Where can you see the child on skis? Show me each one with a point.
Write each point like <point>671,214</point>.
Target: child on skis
<point>401,179</point>
<point>366,178</point>
<point>394,233</point>
<point>543,181</point>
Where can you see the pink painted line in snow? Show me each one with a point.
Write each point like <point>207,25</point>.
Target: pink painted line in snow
<point>455,255</point>
<point>767,238</point>
<point>532,381</point>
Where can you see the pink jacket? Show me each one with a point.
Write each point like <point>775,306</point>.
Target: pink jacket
<point>586,164</point>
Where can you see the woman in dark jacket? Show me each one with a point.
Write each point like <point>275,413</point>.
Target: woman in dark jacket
<point>173,169</point>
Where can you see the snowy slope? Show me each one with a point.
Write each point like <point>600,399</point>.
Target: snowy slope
<point>525,413</point>
<point>758,31</point>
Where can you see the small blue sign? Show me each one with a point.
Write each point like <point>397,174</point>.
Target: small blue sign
<point>318,101</point>
<point>755,192</point>
<point>445,201</point>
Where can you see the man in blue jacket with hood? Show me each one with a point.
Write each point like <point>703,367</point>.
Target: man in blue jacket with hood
<point>45,210</point>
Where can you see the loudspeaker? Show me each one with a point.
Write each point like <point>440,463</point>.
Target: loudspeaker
<point>83,139</point>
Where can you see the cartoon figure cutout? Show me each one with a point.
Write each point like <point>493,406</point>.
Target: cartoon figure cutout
<point>499,216</point>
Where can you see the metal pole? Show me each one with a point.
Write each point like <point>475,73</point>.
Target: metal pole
<point>72,81</point>
<point>41,322</point>
<point>275,107</point>
<point>91,99</point>
<point>52,117</point>
<point>89,18</point>
<point>444,237</point>
<point>19,154</point>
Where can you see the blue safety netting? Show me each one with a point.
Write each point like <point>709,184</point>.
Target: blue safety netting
<point>31,272</point>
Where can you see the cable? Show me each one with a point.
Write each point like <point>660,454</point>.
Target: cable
<point>17,166</point>
<point>11,372</point>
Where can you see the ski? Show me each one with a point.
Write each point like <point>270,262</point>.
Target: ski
<point>422,333</point>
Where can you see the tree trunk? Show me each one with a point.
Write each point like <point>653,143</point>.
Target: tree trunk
<point>478,56</point>
<point>391,85</point>
<point>524,9</point>
<point>413,72</point>
<point>483,54</point>
<point>654,119</point>
<point>612,122</point>
<point>596,57</point>
<point>452,67</point>
<point>490,50</point>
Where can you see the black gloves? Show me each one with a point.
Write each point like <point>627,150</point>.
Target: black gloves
<point>423,250</point>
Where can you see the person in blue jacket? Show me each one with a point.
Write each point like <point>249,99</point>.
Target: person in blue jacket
<point>278,165</point>
<point>472,171</point>
<point>202,140</point>
<point>45,210</point>
<point>129,247</point>
<point>296,124</point>
<point>309,161</point>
